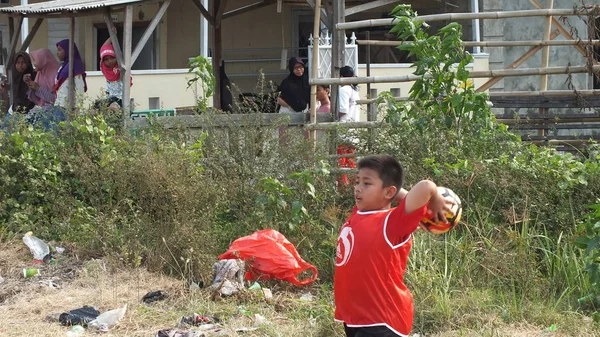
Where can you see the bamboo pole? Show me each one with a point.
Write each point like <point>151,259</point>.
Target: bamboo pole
<point>346,125</point>
<point>553,120</point>
<point>464,16</point>
<point>546,49</point>
<point>492,43</point>
<point>473,74</point>
<point>546,93</point>
<point>314,69</point>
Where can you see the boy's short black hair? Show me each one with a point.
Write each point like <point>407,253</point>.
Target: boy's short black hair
<point>389,169</point>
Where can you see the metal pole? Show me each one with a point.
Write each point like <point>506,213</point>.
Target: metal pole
<point>25,26</point>
<point>204,32</point>
<point>369,106</point>
<point>476,34</point>
<point>338,52</point>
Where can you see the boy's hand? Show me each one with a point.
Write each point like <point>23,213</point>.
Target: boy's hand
<point>439,207</point>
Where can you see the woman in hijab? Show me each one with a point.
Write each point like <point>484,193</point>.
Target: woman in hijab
<point>22,73</point>
<point>61,86</point>
<point>41,91</point>
<point>295,90</point>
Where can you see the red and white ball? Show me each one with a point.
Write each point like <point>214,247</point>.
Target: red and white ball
<point>452,219</point>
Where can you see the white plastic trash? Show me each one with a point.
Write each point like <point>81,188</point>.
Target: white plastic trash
<point>109,318</point>
<point>39,249</point>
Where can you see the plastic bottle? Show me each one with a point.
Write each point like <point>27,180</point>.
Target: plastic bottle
<point>108,319</point>
<point>38,248</point>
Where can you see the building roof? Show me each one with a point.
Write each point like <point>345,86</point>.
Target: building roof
<point>65,6</point>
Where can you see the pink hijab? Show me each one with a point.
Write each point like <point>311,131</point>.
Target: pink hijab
<point>111,74</point>
<point>47,68</point>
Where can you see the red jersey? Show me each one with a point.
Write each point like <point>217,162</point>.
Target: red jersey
<point>371,255</point>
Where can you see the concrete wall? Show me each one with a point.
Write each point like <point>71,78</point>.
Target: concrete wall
<point>169,86</point>
<point>532,28</point>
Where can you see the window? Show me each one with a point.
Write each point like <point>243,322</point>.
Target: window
<point>148,58</point>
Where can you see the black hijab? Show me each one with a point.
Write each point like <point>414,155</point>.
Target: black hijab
<point>21,103</point>
<point>295,91</point>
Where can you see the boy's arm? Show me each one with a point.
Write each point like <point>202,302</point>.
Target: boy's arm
<point>425,192</point>
<point>109,41</point>
<point>401,195</point>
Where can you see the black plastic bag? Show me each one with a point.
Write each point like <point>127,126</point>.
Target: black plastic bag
<point>154,296</point>
<point>81,316</point>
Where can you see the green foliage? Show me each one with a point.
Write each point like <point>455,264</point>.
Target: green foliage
<point>443,98</point>
<point>590,243</point>
<point>201,68</point>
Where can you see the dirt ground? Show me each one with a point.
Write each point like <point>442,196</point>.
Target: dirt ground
<point>30,306</point>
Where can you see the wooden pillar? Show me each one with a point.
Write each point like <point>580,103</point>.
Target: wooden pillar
<point>338,51</point>
<point>9,63</point>
<point>71,95</point>
<point>314,69</point>
<point>14,33</point>
<point>127,42</point>
<point>114,39</point>
<point>217,51</point>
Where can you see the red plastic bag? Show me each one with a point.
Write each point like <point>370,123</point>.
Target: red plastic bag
<point>270,255</point>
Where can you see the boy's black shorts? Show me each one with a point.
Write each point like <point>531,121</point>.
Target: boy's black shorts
<point>372,331</point>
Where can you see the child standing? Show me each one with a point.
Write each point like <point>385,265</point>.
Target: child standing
<point>323,98</point>
<point>112,73</point>
<point>372,252</point>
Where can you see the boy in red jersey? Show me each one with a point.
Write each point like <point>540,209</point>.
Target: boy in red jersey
<point>373,247</point>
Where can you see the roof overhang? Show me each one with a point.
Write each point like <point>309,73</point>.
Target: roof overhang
<point>67,7</point>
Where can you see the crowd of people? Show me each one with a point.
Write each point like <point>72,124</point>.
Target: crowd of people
<point>40,88</point>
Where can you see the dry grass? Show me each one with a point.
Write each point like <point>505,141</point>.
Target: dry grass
<point>27,304</point>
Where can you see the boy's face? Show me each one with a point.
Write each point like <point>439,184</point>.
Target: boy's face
<point>322,93</point>
<point>369,193</point>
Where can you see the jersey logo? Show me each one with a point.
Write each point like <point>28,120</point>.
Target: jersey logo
<point>345,245</point>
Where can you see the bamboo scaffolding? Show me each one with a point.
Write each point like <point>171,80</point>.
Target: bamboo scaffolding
<point>545,93</point>
<point>473,74</point>
<point>465,16</point>
<point>549,119</point>
<point>491,43</point>
<point>532,51</point>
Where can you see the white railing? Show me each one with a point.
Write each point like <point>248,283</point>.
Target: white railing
<point>325,54</point>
